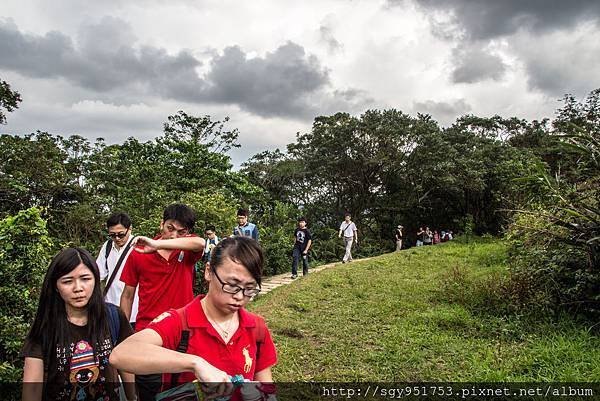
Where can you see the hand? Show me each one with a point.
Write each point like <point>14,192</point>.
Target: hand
<point>144,244</point>
<point>215,382</point>
<point>305,253</point>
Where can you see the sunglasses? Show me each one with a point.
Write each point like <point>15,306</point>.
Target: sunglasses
<point>117,235</point>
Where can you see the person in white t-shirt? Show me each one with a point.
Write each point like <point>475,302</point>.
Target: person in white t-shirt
<point>349,231</point>
<point>115,250</point>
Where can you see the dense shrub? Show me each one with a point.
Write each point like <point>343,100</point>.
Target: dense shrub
<point>25,251</point>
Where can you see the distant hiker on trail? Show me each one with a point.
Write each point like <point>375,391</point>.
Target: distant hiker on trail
<point>399,237</point>
<point>302,244</point>
<point>350,233</point>
<point>244,227</point>
<point>427,236</point>
<point>211,240</point>
<point>112,258</point>
<point>74,332</point>
<point>436,237</point>
<point>223,340</point>
<point>164,270</point>
<point>420,235</point>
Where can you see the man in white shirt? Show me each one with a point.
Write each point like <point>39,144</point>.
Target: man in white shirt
<point>349,231</point>
<point>116,250</point>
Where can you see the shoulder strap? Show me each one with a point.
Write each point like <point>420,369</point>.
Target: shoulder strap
<point>259,330</point>
<point>183,342</point>
<point>114,273</point>
<point>107,250</point>
<point>114,322</point>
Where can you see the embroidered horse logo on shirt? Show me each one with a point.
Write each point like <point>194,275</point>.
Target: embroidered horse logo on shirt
<point>248,364</point>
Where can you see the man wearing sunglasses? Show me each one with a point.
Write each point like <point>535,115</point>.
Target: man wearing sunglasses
<point>112,258</point>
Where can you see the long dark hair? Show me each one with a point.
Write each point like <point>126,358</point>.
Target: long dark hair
<point>51,327</point>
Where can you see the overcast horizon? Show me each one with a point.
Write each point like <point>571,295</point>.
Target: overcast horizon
<point>117,69</point>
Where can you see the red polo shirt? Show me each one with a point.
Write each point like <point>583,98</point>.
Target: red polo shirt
<point>238,356</point>
<point>163,284</point>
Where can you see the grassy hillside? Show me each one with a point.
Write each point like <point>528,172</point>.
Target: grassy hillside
<point>411,316</point>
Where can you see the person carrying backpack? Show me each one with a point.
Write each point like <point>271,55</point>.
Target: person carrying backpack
<point>112,258</point>
<point>74,331</point>
<point>219,338</point>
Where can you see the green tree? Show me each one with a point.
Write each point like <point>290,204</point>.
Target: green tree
<point>9,100</point>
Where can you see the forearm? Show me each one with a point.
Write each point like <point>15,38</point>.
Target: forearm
<point>194,244</point>
<point>308,245</point>
<point>264,376</point>
<point>126,302</point>
<point>132,356</point>
<point>128,380</point>
<point>33,377</point>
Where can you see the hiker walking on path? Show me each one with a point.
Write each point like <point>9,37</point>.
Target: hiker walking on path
<point>350,233</point>
<point>211,241</point>
<point>399,237</point>
<point>66,351</point>
<point>223,338</point>
<point>244,227</point>
<point>420,236</point>
<point>302,244</point>
<point>112,258</point>
<point>164,270</point>
<point>427,236</point>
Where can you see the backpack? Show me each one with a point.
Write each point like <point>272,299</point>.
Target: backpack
<point>258,329</point>
<point>114,322</point>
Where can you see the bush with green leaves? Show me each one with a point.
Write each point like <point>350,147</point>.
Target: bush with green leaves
<point>276,227</point>
<point>558,239</point>
<point>25,251</point>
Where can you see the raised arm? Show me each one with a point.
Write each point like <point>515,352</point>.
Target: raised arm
<point>146,245</point>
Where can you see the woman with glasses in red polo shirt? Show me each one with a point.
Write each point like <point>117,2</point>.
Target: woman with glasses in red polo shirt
<point>224,339</point>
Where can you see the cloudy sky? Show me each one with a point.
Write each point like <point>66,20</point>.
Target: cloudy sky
<point>117,68</point>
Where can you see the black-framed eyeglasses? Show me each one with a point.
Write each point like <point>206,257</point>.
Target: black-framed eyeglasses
<point>234,289</point>
<point>117,235</point>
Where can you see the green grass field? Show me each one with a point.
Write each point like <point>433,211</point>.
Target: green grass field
<point>401,317</point>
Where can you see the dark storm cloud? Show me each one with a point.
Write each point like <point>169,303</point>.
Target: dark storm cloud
<point>105,59</point>
<point>279,84</point>
<point>101,59</point>
<point>489,19</point>
<point>444,111</point>
<point>474,65</point>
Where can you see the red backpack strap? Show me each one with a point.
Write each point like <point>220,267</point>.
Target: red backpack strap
<point>259,332</point>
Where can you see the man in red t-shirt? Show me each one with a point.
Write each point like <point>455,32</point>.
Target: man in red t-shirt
<point>163,270</point>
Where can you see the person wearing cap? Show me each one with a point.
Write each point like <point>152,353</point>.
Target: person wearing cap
<point>399,237</point>
<point>244,227</point>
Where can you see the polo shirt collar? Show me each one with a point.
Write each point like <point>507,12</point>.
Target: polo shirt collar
<point>197,318</point>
